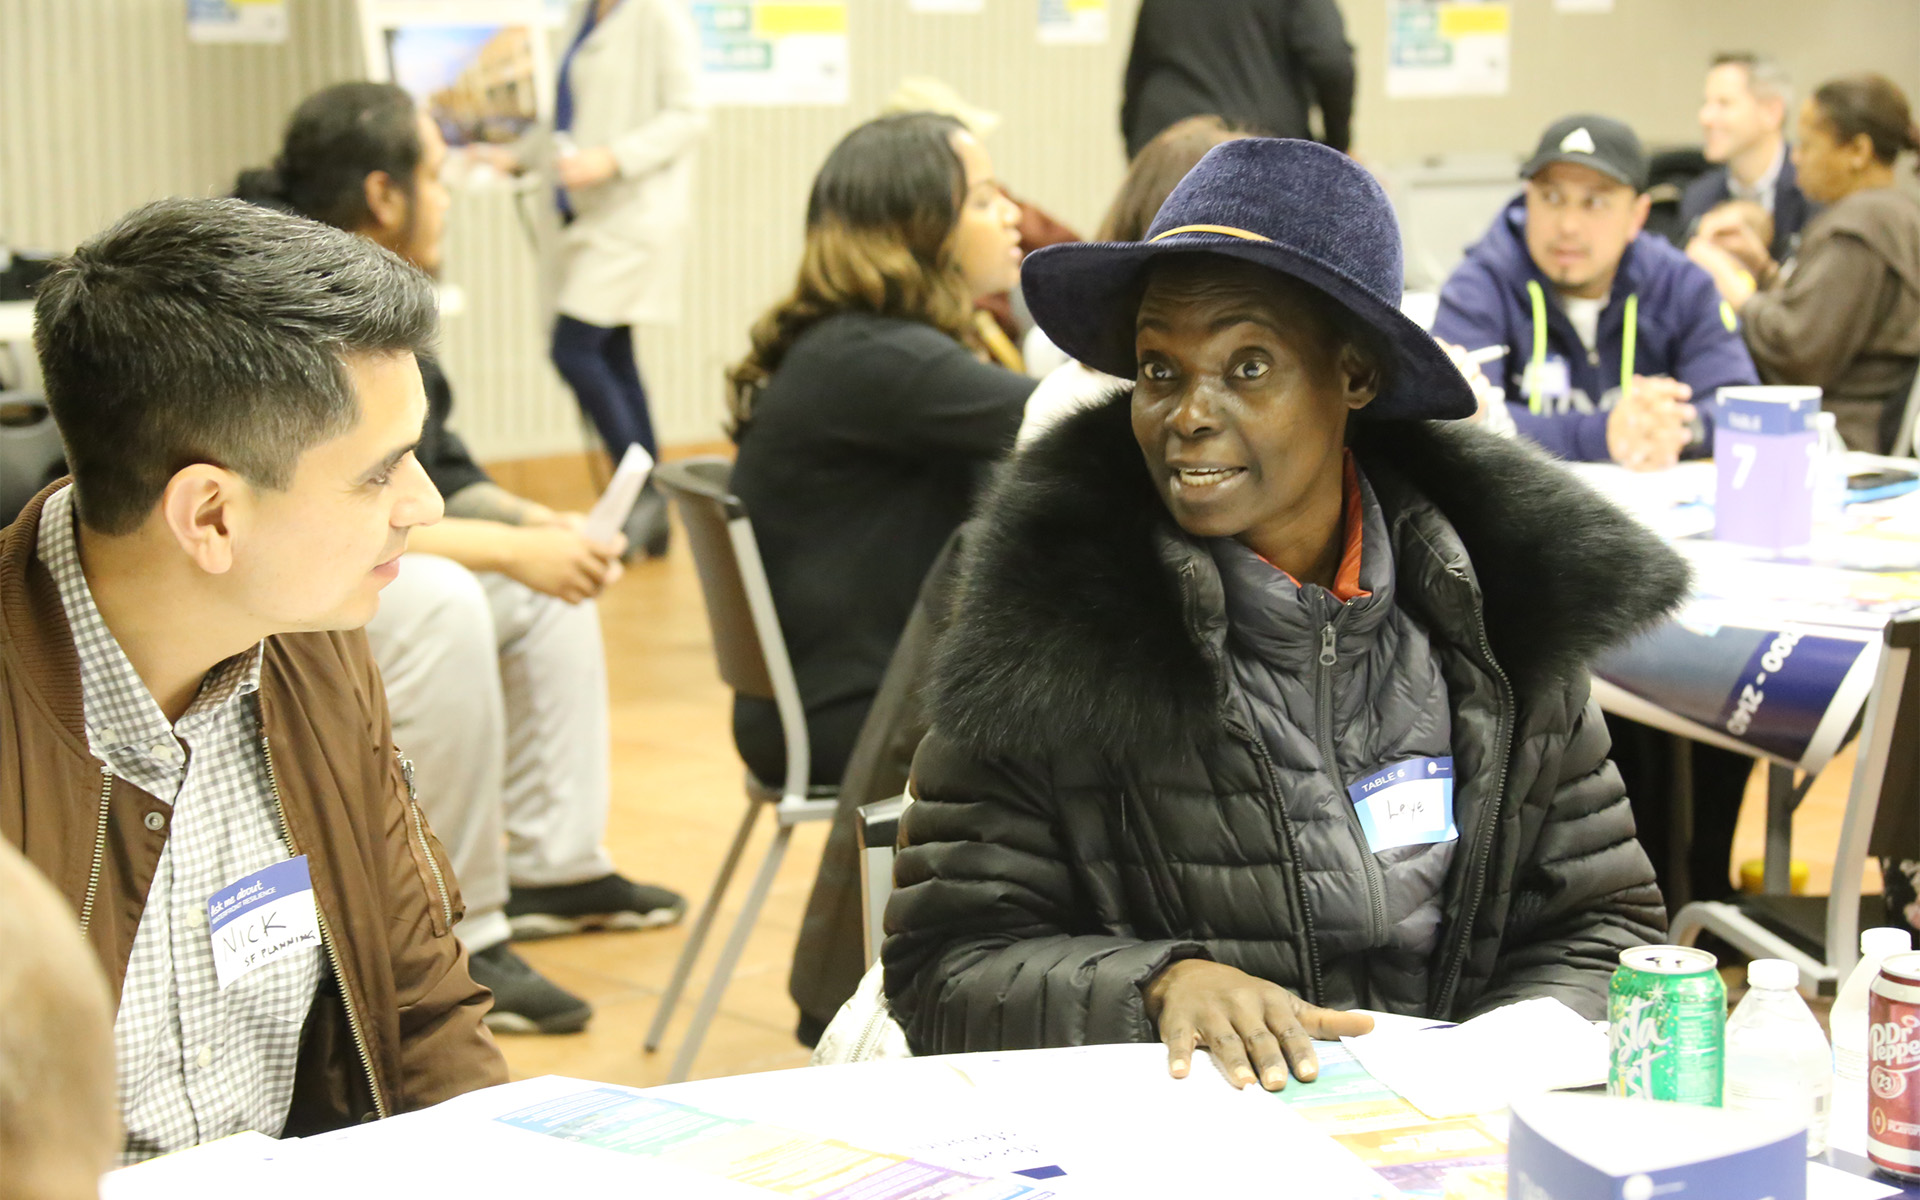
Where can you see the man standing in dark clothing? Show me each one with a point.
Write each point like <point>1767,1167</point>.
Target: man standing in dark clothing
<point>1261,64</point>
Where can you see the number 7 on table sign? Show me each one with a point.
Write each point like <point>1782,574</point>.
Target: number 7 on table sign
<point>1744,456</point>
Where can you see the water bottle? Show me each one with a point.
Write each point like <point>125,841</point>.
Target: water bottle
<point>1777,1058</point>
<point>1848,1020</point>
<point>1829,474</point>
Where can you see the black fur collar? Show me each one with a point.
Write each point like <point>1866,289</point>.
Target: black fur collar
<point>1071,628</point>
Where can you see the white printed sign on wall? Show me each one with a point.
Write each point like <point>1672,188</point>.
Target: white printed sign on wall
<point>1448,47</point>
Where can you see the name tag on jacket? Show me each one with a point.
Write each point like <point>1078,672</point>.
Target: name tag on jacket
<point>1407,804</point>
<point>260,917</point>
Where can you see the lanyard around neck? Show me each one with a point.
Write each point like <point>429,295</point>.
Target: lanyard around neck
<point>1629,338</point>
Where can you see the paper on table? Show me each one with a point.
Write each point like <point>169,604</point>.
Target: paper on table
<point>1535,1045</point>
<point>1829,1183</point>
<point>611,510</point>
<point>235,1160</point>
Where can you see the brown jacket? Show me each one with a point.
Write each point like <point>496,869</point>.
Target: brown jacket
<point>396,1024</point>
<point>1847,317</point>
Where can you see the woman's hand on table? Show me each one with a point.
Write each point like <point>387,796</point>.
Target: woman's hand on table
<point>1256,1030</point>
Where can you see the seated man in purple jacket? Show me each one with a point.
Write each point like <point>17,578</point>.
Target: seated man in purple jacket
<point>1610,334</point>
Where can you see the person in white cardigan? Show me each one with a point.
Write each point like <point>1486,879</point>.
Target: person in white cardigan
<point>627,118</point>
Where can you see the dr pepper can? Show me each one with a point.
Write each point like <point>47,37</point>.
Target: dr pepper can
<point>1893,1054</point>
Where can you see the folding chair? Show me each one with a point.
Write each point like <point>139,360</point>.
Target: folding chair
<point>31,456</point>
<point>879,831</point>
<point>1903,446</point>
<point>752,657</point>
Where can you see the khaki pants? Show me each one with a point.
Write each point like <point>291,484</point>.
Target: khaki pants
<point>499,696</point>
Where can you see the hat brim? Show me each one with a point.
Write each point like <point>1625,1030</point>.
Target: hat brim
<point>1085,297</point>
<point>1542,162</point>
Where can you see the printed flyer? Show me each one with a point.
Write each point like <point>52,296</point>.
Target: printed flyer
<point>1448,48</point>
<point>774,52</point>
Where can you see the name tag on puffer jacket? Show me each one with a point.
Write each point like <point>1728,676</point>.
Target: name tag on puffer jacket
<point>1407,804</point>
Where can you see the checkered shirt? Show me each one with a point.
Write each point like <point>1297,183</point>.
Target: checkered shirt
<point>196,1062</point>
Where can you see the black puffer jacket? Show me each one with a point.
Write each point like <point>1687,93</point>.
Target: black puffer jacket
<point>1094,803</point>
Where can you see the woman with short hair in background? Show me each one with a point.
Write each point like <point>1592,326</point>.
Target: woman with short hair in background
<point>865,413</point>
<point>1843,314</point>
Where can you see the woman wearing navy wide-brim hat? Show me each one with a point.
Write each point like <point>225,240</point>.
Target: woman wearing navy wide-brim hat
<point>1267,697</point>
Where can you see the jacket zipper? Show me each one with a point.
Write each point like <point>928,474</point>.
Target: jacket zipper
<point>420,834</point>
<point>870,1031</point>
<point>1270,780</point>
<point>1270,777</point>
<point>1323,711</point>
<point>326,937</point>
<point>1483,846</point>
<point>99,850</point>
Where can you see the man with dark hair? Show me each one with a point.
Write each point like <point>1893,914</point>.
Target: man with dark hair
<point>197,755</point>
<point>1743,113</point>
<point>1606,332</point>
<point>489,642</point>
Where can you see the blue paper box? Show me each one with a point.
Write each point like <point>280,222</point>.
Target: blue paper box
<point>1765,453</point>
<point>1580,1147</point>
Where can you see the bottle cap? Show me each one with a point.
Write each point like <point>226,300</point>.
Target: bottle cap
<point>1878,943</point>
<point>1773,974</point>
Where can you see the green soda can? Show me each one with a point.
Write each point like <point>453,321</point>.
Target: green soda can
<point>1667,1026</point>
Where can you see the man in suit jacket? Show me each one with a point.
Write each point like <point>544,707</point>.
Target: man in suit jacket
<point>1743,116</point>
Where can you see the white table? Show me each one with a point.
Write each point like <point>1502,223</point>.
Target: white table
<point>1872,694</point>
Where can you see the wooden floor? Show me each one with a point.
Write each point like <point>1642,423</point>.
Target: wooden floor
<point>677,799</point>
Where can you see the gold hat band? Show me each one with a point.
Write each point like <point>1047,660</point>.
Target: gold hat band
<point>1228,230</point>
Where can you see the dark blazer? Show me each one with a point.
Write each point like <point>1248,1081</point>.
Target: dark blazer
<point>1091,808</point>
<point>1791,208</point>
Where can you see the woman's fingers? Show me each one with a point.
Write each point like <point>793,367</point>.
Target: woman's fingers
<point>1229,1051</point>
<point>1179,1037</point>
<point>1328,1024</point>
<point>1259,1038</point>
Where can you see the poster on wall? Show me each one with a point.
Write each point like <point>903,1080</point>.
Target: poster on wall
<point>1448,47</point>
<point>479,68</point>
<point>774,52</point>
<point>946,6</point>
<point>236,20</point>
<point>1073,22</point>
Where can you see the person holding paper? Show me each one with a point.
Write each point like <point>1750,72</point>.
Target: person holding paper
<point>489,641</point>
<point>1266,698</point>
<point>196,744</point>
<point>1612,336</point>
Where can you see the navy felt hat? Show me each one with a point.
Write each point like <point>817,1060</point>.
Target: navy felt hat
<point>1302,209</point>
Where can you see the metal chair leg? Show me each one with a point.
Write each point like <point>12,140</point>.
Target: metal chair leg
<point>736,943</point>
<point>697,936</point>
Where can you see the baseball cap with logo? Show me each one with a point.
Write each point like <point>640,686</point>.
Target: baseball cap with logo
<point>1602,143</point>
